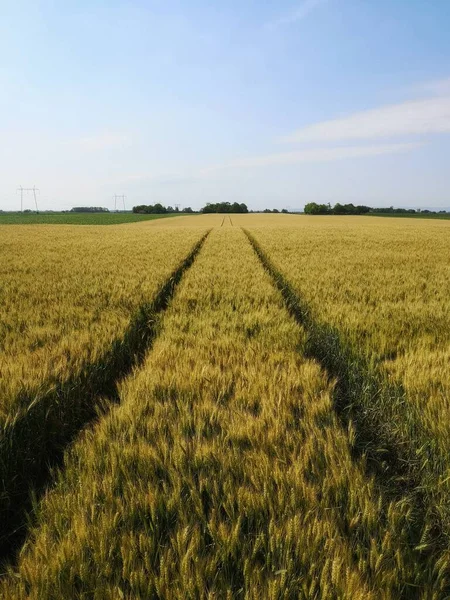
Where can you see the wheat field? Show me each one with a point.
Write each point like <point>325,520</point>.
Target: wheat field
<point>386,290</point>
<point>67,294</point>
<point>282,432</point>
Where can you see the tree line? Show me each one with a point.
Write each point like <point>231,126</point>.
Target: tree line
<point>159,209</point>
<point>224,207</point>
<point>219,207</point>
<point>87,209</point>
<point>312,208</point>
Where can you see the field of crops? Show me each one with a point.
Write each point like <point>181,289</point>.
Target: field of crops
<point>242,406</point>
<point>379,304</point>
<point>69,218</point>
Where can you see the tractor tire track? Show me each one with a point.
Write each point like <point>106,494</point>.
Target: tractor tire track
<point>33,444</point>
<point>365,400</point>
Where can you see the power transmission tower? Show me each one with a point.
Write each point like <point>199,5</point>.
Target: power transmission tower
<point>177,206</point>
<point>20,189</point>
<point>35,198</point>
<point>116,197</point>
<point>34,189</point>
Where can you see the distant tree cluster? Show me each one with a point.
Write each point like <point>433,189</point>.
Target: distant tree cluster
<point>409,211</point>
<point>158,209</point>
<point>312,208</point>
<point>275,210</point>
<point>225,207</point>
<point>89,209</point>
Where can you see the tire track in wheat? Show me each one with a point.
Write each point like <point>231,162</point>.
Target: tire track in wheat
<point>34,443</point>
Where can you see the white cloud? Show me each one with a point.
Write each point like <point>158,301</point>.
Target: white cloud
<point>312,155</point>
<point>438,87</point>
<point>419,117</point>
<point>298,14</point>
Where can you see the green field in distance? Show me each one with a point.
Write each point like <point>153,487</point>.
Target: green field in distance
<point>77,218</point>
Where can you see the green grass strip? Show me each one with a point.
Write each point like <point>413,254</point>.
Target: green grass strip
<point>78,218</point>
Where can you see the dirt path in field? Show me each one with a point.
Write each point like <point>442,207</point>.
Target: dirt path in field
<point>225,219</point>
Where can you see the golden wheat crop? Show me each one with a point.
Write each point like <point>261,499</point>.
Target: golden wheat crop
<point>374,296</point>
<point>66,293</point>
<point>225,471</point>
<point>385,283</point>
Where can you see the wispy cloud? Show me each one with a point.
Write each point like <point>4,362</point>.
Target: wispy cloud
<point>302,11</point>
<point>438,87</point>
<point>418,117</point>
<point>312,155</point>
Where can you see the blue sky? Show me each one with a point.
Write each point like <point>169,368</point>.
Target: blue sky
<point>273,104</point>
